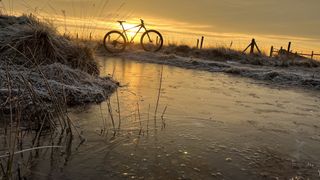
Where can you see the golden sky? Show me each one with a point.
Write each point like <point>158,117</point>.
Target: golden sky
<point>278,19</point>
<point>281,17</point>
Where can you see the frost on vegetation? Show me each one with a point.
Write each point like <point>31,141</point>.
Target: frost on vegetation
<point>293,72</point>
<point>39,67</point>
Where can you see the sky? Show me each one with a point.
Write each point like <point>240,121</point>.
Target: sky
<point>279,17</point>
<point>269,18</point>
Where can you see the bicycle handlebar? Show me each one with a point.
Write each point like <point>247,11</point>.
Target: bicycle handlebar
<point>142,22</point>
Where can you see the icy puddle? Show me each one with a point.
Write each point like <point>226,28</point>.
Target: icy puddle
<point>208,126</point>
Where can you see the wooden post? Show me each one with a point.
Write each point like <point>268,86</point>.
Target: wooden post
<point>280,51</point>
<point>251,46</point>
<point>271,51</point>
<point>253,42</point>
<point>197,43</point>
<point>312,53</point>
<point>90,36</point>
<point>77,36</point>
<point>201,44</point>
<point>289,47</point>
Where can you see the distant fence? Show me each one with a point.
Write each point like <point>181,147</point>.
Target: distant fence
<point>253,46</point>
<point>288,51</point>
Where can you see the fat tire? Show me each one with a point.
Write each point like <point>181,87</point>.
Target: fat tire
<point>143,36</point>
<point>105,44</point>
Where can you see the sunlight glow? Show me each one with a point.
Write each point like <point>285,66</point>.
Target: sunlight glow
<point>174,31</point>
<point>131,30</point>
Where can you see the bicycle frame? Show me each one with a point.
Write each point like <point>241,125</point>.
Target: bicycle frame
<point>150,40</point>
<point>142,26</point>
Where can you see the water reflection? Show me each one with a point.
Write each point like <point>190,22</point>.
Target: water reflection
<point>217,126</point>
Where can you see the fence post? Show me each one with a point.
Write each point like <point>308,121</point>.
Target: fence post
<point>289,47</point>
<point>77,36</point>
<point>251,46</point>
<point>312,53</point>
<point>90,36</point>
<point>201,44</point>
<point>197,43</point>
<point>271,51</point>
<point>280,51</point>
<point>253,42</point>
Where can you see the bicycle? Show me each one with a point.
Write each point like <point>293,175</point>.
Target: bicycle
<point>116,41</point>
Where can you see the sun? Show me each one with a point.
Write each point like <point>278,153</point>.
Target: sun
<point>130,34</point>
<point>131,29</point>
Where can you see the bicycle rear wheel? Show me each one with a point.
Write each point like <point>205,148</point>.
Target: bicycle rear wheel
<point>151,40</point>
<point>114,42</point>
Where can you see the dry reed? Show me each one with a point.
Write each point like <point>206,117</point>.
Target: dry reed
<point>158,97</point>
<point>41,74</point>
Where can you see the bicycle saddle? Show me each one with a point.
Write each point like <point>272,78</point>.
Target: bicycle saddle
<point>121,21</point>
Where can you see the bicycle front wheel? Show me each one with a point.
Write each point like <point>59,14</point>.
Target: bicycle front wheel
<point>152,41</point>
<point>114,42</point>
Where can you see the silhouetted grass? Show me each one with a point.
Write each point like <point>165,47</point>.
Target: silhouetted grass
<point>41,42</point>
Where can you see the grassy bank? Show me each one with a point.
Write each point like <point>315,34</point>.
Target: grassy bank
<point>223,54</point>
<point>226,54</point>
<point>36,61</point>
<point>284,70</point>
<point>42,73</point>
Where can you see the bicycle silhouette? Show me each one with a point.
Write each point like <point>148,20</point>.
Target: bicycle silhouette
<point>116,42</point>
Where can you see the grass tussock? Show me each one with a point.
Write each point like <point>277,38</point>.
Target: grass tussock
<point>29,38</point>
<point>41,74</point>
<point>42,68</point>
<point>220,53</point>
<point>284,61</point>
